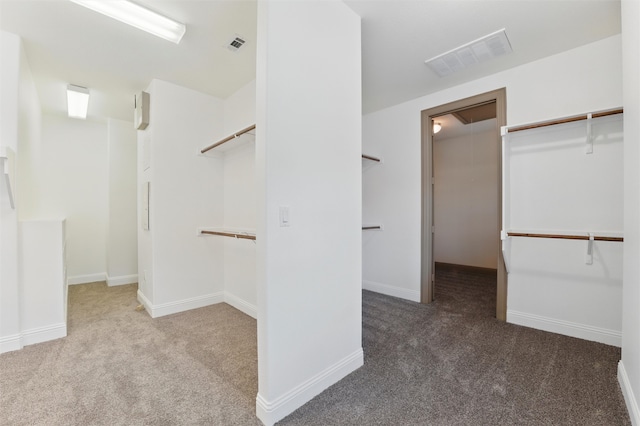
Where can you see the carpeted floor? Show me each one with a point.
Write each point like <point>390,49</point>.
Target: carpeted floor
<point>449,363</point>
<point>117,366</point>
<point>453,363</point>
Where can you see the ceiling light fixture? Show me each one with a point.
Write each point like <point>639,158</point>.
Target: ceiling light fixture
<point>436,127</point>
<point>77,101</point>
<point>137,16</point>
<point>480,50</point>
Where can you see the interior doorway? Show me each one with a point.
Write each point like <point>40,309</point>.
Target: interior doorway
<point>457,240</point>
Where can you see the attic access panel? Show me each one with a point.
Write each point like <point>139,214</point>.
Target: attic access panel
<point>476,113</point>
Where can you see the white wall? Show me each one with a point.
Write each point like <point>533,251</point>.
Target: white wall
<point>554,187</point>
<point>20,120</point>
<point>122,240</point>
<point>544,89</point>
<point>9,289</point>
<point>466,198</point>
<point>183,270</point>
<point>308,151</point>
<point>629,368</point>
<point>240,202</point>
<point>67,175</point>
<point>43,309</point>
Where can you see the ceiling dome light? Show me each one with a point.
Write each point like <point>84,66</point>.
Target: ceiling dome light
<point>436,127</point>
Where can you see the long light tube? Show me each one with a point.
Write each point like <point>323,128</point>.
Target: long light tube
<point>137,16</point>
<point>77,101</point>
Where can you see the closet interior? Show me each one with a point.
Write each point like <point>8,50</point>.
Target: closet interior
<point>562,226</point>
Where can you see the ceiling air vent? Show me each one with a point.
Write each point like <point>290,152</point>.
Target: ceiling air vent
<point>480,50</point>
<point>236,42</point>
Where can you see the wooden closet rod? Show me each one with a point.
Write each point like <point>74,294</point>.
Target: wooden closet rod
<point>228,138</point>
<point>230,234</point>
<point>365,228</point>
<point>564,237</point>
<point>564,120</point>
<point>368,157</point>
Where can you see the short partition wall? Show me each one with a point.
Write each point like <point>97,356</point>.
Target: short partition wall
<point>562,225</point>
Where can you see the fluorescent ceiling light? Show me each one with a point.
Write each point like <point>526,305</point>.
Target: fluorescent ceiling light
<point>137,16</point>
<point>480,50</point>
<point>77,101</point>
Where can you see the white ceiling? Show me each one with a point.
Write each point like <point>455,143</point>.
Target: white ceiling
<point>66,43</point>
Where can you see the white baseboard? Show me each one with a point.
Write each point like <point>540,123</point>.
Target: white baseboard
<point>567,328</point>
<point>241,304</point>
<point>402,293</point>
<point>44,334</point>
<point>181,305</point>
<point>122,280</point>
<point>629,396</point>
<point>272,411</point>
<point>10,343</point>
<point>85,279</point>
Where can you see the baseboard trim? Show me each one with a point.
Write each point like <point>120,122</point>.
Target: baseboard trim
<point>629,396</point>
<point>403,293</point>
<point>241,304</point>
<point>44,334</point>
<point>122,280</point>
<point>181,305</point>
<point>85,279</point>
<point>567,328</point>
<point>269,412</point>
<point>10,343</point>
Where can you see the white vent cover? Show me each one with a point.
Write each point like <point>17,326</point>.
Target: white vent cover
<point>236,42</point>
<point>480,50</point>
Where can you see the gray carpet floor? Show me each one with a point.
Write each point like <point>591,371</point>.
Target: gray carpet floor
<point>449,363</point>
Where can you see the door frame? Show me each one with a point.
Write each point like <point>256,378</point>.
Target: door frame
<point>427,261</point>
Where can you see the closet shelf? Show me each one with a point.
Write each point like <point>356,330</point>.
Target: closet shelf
<point>228,138</point>
<point>243,236</point>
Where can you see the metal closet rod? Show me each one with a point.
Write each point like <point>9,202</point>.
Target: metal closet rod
<point>564,120</point>
<point>228,138</point>
<point>564,236</point>
<point>230,234</point>
<point>368,157</point>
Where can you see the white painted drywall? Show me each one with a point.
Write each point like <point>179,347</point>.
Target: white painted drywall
<point>43,313</point>
<point>629,369</point>
<point>466,198</point>
<point>9,288</point>
<point>308,151</point>
<point>240,202</point>
<point>581,80</point>
<point>240,109</point>
<point>68,179</point>
<point>554,187</point>
<point>183,269</point>
<point>122,238</point>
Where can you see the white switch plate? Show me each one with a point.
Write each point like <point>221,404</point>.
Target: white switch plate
<point>284,216</point>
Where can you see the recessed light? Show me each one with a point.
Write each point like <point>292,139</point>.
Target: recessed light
<point>137,16</point>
